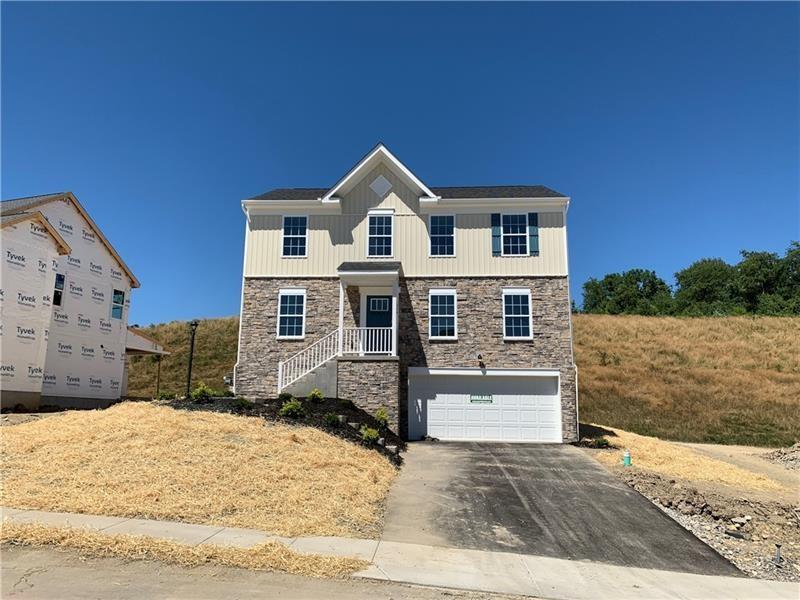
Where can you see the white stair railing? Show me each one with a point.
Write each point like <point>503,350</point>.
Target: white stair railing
<point>355,340</point>
<point>308,359</point>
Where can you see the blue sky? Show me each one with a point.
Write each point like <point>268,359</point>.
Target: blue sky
<point>673,127</point>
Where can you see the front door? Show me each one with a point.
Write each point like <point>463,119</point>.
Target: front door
<point>379,311</point>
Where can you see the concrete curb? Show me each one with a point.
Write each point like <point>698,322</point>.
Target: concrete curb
<point>500,572</point>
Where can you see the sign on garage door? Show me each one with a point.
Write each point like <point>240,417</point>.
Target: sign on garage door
<point>503,408</point>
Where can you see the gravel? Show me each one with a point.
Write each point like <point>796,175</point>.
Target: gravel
<point>787,457</point>
<point>743,531</point>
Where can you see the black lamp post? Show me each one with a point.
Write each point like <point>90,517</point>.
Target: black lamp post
<point>193,326</point>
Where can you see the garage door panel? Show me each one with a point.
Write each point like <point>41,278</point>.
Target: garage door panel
<point>490,408</point>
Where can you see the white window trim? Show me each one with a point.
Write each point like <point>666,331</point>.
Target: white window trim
<point>443,292</point>
<point>502,235</point>
<point>430,236</point>
<point>518,292</point>
<point>283,229</point>
<point>291,292</point>
<point>380,212</point>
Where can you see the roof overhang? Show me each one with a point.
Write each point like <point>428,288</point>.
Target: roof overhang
<point>137,343</point>
<point>71,197</point>
<point>61,243</point>
<point>253,208</point>
<point>484,205</point>
<point>369,274</point>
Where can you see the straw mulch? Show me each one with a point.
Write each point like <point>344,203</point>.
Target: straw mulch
<point>140,460</point>
<point>674,460</point>
<point>271,556</point>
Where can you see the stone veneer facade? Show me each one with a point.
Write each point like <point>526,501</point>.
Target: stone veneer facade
<point>370,383</point>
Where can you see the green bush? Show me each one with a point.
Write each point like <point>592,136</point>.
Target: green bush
<point>243,404</point>
<point>332,420</point>
<point>369,435</point>
<point>292,409</point>
<point>226,393</point>
<point>167,396</point>
<point>285,397</point>
<point>382,417</point>
<point>316,395</point>
<point>202,393</point>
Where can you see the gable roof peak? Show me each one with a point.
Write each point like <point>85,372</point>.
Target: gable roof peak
<point>380,153</point>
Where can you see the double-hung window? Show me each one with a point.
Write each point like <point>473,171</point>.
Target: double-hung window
<point>58,291</point>
<point>295,236</point>
<point>515,234</point>
<point>443,235</point>
<point>442,309</point>
<point>517,314</point>
<point>292,313</point>
<point>379,235</point>
<point>117,302</point>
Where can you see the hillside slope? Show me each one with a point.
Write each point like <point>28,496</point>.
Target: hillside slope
<point>733,380</point>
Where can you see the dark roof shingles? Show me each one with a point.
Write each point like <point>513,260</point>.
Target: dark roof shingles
<point>492,191</point>
<point>382,265</point>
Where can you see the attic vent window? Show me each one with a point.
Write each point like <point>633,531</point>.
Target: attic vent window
<point>380,186</point>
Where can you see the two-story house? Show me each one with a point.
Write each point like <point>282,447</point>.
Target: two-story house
<point>448,306</point>
<point>64,301</point>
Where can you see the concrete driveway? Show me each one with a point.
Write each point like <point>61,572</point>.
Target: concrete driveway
<point>548,500</point>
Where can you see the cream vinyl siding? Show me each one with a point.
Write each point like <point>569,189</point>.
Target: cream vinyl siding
<point>334,239</point>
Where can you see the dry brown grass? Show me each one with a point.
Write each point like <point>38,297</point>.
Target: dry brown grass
<point>140,460</point>
<point>270,556</point>
<point>733,380</point>
<point>673,460</point>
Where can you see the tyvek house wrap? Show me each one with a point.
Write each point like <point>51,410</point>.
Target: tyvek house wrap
<point>26,275</point>
<point>86,350</point>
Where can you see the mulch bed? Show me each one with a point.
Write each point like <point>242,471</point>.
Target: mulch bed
<point>315,412</point>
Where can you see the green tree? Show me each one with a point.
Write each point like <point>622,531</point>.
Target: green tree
<point>757,274</point>
<point>706,287</point>
<point>638,291</point>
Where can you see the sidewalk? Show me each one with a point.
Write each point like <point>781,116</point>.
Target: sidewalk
<point>451,567</point>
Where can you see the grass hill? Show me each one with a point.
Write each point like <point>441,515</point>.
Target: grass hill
<point>730,380</point>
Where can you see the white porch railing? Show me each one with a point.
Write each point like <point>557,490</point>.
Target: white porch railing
<point>354,340</point>
<point>367,340</point>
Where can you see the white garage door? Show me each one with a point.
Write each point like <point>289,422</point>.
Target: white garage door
<point>484,407</point>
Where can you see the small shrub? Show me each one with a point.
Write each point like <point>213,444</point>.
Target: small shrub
<point>226,393</point>
<point>285,397</point>
<point>369,435</point>
<point>167,396</point>
<point>243,404</point>
<point>202,393</point>
<point>345,403</point>
<point>382,417</point>
<point>316,395</point>
<point>292,409</point>
<point>332,420</point>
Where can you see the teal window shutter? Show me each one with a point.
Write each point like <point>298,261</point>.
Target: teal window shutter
<point>496,234</point>
<point>533,234</point>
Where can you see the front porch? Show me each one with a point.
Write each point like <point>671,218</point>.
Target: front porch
<point>367,321</point>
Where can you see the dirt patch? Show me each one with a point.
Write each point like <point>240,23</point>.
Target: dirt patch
<point>673,460</point>
<point>742,530</point>
<point>786,457</point>
<point>270,556</point>
<point>153,462</point>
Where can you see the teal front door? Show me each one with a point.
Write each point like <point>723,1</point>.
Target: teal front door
<point>379,311</point>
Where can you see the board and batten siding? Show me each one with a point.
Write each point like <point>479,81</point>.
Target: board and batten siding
<point>334,239</point>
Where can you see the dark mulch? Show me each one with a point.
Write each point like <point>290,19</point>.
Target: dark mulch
<point>315,412</point>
